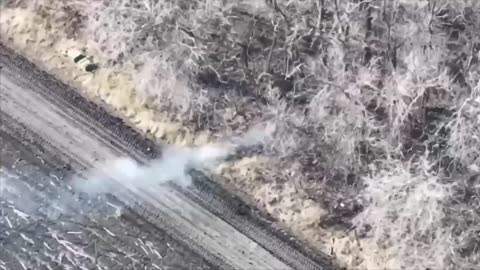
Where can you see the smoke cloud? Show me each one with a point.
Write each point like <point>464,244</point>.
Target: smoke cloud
<point>173,166</point>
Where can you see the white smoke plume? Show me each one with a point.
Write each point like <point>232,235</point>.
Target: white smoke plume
<point>173,166</point>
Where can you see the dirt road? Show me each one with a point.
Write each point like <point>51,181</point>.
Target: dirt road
<point>50,133</point>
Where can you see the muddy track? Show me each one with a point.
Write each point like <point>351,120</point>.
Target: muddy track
<point>202,220</point>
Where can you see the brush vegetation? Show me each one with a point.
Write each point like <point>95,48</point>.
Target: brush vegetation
<point>374,105</point>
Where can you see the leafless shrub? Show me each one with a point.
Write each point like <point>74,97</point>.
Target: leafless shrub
<point>378,98</point>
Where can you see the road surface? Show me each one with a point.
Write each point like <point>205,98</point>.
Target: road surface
<point>49,134</point>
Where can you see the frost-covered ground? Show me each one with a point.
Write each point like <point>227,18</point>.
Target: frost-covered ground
<point>368,111</point>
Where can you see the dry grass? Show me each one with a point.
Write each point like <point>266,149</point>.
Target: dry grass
<point>374,107</point>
